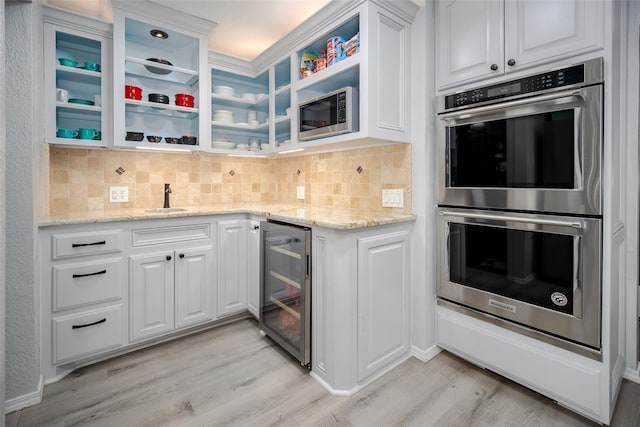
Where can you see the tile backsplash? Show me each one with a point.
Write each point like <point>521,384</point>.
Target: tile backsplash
<point>79,179</point>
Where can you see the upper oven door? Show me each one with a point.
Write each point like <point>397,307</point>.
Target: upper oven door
<point>541,153</point>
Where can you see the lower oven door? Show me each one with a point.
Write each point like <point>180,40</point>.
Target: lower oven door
<point>542,272</point>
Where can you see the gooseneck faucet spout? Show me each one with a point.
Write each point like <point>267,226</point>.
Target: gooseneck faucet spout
<point>167,191</point>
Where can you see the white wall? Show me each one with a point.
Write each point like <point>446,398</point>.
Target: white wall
<point>2,207</point>
<point>24,148</point>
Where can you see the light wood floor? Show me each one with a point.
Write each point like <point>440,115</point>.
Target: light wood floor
<point>231,376</point>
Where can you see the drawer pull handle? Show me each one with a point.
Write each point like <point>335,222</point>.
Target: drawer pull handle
<point>89,324</point>
<point>75,276</point>
<point>79,245</point>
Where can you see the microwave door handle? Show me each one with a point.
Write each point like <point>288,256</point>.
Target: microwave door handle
<point>465,114</point>
<point>577,277</point>
<point>574,224</point>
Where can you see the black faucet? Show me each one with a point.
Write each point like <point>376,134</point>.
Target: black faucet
<point>167,191</point>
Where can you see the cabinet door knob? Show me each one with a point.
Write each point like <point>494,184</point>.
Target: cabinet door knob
<point>511,62</point>
<point>494,67</point>
<point>256,227</point>
<point>168,257</point>
<point>181,255</point>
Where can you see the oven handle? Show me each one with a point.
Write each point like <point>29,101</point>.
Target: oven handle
<point>577,284</point>
<point>465,114</point>
<point>574,224</point>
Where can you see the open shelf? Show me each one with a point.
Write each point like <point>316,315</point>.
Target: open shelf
<point>138,67</point>
<point>168,110</point>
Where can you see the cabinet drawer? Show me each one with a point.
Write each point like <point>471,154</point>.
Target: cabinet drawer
<point>87,283</point>
<point>85,333</point>
<point>82,244</point>
<point>154,236</point>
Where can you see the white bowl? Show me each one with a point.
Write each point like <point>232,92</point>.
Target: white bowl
<point>249,97</point>
<point>223,90</point>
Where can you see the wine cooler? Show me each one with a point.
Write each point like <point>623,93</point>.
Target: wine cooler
<point>285,287</point>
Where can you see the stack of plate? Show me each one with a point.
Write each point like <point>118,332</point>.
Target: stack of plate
<point>158,97</point>
<point>224,116</point>
<point>223,90</point>
<point>222,143</point>
<point>251,97</point>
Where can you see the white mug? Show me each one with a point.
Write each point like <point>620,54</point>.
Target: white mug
<point>97,100</point>
<point>251,115</point>
<point>62,95</point>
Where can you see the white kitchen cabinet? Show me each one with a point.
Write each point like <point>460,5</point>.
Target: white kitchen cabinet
<point>477,40</point>
<point>84,298</point>
<point>232,266</point>
<point>193,287</point>
<point>161,51</point>
<point>360,304</point>
<point>383,301</point>
<point>253,267</point>
<point>71,90</point>
<point>151,294</point>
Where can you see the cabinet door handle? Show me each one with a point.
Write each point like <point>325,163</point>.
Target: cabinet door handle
<point>79,245</point>
<point>181,255</point>
<point>168,257</point>
<point>511,62</point>
<point>494,67</point>
<point>89,324</point>
<point>75,276</point>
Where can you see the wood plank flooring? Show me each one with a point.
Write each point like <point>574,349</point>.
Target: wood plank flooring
<point>231,376</point>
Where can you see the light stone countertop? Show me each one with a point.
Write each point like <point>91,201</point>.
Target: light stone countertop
<point>335,218</point>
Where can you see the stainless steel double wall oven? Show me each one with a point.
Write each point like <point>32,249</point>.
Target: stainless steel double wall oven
<point>520,204</point>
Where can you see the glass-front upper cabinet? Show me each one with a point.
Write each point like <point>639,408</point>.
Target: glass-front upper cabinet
<point>160,89</point>
<point>77,78</point>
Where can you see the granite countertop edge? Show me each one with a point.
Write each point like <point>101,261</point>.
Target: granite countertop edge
<point>340,219</point>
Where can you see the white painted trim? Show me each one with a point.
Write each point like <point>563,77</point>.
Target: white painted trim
<point>425,355</point>
<point>632,375</point>
<point>25,400</point>
<point>360,386</point>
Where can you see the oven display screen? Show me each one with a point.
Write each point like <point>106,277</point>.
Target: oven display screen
<point>503,90</point>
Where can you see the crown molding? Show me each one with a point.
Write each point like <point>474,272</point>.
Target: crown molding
<point>61,17</point>
<point>171,17</point>
<point>405,9</point>
<point>232,64</point>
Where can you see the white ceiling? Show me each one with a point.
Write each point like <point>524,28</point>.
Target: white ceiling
<point>245,28</point>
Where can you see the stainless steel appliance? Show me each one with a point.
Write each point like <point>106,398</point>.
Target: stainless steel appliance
<point>285,288</point>
<point>540,271</point>
<point>529,144</point>
<point>520,205</point>
<point>329,114</point>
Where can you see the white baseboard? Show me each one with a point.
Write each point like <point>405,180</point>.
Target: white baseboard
<point>360,386</point>
<point>25,400</point>
<point>425,355</point>
<point>632,375</point>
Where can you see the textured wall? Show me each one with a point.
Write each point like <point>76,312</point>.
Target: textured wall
<point>24,139</point>
<point>2,206</point>
<point>80,179</point>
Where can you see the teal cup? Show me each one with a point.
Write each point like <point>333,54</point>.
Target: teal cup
<point>86,133</point>
<point>91,66</point>
<point>66,133</point>
<point>67,62</point>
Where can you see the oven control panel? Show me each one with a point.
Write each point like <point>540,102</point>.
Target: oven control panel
<point>557,78</point>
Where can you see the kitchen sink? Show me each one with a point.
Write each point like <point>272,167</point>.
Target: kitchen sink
<point>164,210</point>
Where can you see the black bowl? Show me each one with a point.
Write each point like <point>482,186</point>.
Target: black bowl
<point>151,138</point>
<point>189,140</point>
<point>156,70</point>
<point>157,97</point>
<point>134,136</point>
<point>172,140</point>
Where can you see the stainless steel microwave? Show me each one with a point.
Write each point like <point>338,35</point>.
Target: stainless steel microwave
<point>330,114</point>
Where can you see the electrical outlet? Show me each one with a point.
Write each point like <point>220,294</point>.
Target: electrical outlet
<point>300,192</point>
<point>118,194</point>
<point>393,198</point>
